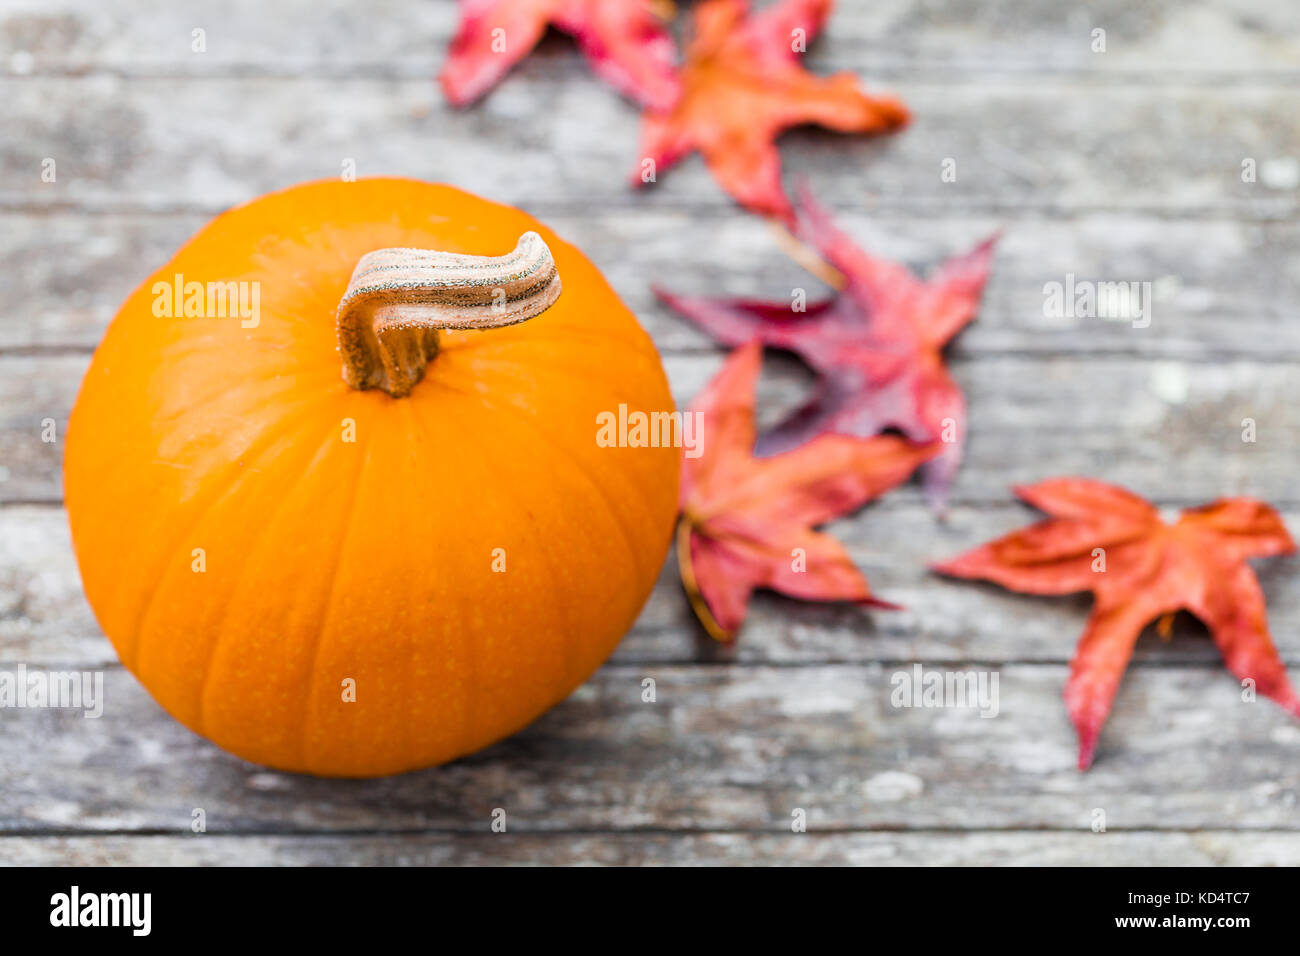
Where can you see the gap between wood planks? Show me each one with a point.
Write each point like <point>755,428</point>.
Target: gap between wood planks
<point>561,68</point>
<point>1281,209</point>
<point>638,664</point>
<point>632,831</point>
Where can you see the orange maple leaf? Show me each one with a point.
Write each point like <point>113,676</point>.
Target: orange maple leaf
<point>1109,541</point>
<point>748,522</point>
<point>743,85</point>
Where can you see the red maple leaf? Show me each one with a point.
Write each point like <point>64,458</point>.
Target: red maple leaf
<point>743,85</point>
<point>748,522</point>
<point>877,347</point>
<point>1109,541</point>
<point>624,41</point>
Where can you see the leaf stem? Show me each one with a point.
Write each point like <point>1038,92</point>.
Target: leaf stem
<point>698,604</point>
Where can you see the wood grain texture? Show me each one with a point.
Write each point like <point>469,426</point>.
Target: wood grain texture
<point>45,620</point>
<point>1190,41</point>
<point>1170,430</point>
<point>1206,848</point>
<point>176,143</point>
<point>1222,287</point>
<point>720,748</point>
<point>1123,165</point>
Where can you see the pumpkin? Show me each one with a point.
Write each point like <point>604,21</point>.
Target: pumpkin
<point>334,481</point>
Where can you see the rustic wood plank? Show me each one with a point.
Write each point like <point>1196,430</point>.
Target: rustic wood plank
<point>1206,848</point>
<point>1222,288</point>
<point>196,143</point>
<point>45,621</point>
<point>149,37</point>
<point>720,748</point>
<point>1172,430</point>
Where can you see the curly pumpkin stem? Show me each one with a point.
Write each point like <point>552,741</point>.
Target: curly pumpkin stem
<point>398,299</point>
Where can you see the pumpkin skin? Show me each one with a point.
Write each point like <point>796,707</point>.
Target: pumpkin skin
<point>325,561</point>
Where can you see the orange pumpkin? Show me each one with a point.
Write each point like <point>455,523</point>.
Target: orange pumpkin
<point>355,539</point>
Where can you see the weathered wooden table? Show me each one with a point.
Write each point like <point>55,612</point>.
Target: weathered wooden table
<point>1122,165</point>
